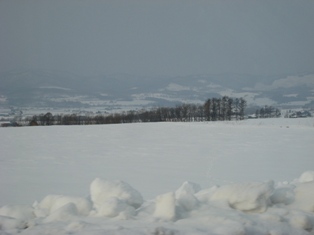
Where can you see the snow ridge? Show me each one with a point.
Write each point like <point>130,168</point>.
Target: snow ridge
<point>114,207</point>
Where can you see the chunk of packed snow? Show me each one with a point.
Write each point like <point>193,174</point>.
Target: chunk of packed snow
<point>304,197</point>
<point>22,212</point>
<point>9,223</point>
<point>284,195</point>
<point>185,196</point>
<point>187,202</point>
<point>188,187</point>
<point>165,208</point>
<point>113,207</point>
<point>66,212</point>
<point>253,197</point>
<point>204,195</point>
<point>110,198</point>
<point>301,220</point>
<point>53,202</point>
<point>307,176</point>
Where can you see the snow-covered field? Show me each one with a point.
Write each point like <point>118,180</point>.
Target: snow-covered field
<point>159,178</point>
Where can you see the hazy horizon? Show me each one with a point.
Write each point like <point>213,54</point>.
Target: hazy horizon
<point>158,38</point>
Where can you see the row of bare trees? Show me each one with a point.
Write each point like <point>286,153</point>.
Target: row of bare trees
<point>224,108</point>
<point>213,109</point>
<point>267,112</point>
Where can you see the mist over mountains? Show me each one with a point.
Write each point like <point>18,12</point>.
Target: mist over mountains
<point>55,89</point>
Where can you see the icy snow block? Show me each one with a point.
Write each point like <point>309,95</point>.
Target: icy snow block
<point>18,212</point>
<point>282,196</point>
<point>185,196</point>
<point>187,201</point>
<point>8,223</point>
<point>165,207</point>
<point>64,213</point>
<point>204,195</point>
<point>302,220</point>
<point>307,176</point>
<point>188,187</point>
<point>304,197</point>
<point>115,207</point>
<point>103,190</point>
<point>250,197</point>
<point>53,202</point>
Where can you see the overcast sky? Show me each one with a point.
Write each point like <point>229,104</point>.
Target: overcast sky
<point>158,37</point>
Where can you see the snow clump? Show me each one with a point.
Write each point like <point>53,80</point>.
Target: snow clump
<point>307,176</point>
<point>185,196</point>
<point>304,197</point>
<point>165,207</point>
<point>111,198</point>
<point>250,197</point>
<point>51,203</point>
<point>66,212</point>
<point>21,212</point>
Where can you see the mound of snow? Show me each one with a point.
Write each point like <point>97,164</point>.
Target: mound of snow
<point>165,208</point>
<point>66,212</point>
<point>188,187</point>
<point>9,223</point>
<point>111,198</point>
<point>304,197</point>
<point>253,197</point>
<point>52,203</point>
<point>299,219</point>
<point>185,196</point>
<point>307,176</point>
<point>113,207</point>
<point>20,212</point>
<point>283,195</point>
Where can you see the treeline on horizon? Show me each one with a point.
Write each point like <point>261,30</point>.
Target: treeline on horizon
<point>267,112</point>
<point>214,109</point>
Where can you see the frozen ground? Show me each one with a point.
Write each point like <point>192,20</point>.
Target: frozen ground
<point>72,171</point>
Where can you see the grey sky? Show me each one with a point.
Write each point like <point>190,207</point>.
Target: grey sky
<point>158,37</point>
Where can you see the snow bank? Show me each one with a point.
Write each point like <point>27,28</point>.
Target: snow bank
<point>114,207</point>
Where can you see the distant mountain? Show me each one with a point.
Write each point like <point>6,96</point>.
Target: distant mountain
<point>41,88</point>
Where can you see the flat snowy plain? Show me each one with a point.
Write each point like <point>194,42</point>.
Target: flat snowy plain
<point>237,177</point>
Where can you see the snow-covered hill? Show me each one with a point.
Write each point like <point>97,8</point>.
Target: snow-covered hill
<point>241,177</point>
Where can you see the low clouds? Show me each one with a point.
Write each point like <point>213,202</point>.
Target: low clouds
<point>288,82</point>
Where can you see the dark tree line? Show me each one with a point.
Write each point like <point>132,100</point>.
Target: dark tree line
<point>214,109</point>
<point>267,112</point>
<point>225,108</point>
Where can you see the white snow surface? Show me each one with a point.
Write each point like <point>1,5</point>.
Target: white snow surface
<point>238,177</point>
